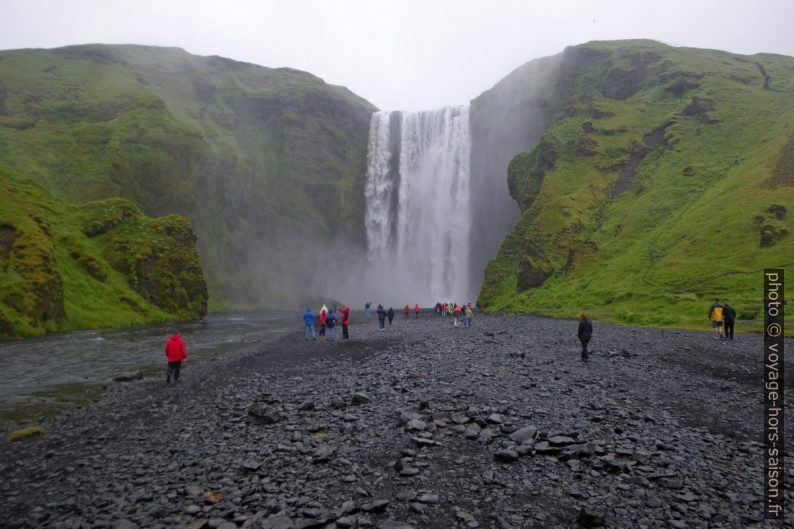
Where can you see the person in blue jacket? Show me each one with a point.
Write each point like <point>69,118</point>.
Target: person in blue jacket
<point>330,322</point>
<point>308,319</point>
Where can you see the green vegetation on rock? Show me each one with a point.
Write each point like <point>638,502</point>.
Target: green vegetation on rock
<point>664,180</point>
<point>257,158</point>
<point>101,264</point>
<point>25,433</point>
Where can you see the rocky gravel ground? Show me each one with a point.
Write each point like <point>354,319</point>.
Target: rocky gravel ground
<point>423,425</point>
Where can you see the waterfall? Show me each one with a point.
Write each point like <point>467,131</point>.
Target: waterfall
<point>418,219</point>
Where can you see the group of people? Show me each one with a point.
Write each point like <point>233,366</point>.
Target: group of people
<point>327,319</point>
<point>383,314</point>
<point>456,311</point>
<point>722,317</point>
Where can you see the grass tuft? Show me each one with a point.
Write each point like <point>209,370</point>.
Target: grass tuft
<point>25,433</point>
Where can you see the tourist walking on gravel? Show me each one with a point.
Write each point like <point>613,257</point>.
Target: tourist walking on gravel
<point>345,322</point>
<point>729,317</point>
<point>323,316</point>
<point>390,315</point>
<point>715,315</point>
<point>407,311</point>
<point>456,312</point>
<point>416,310</point>
<point>175,353</point>
<point>584,333</point>
<point>469,316</point>
<point>381,317</point>
<point>308,320</point>
<point>330,321</point>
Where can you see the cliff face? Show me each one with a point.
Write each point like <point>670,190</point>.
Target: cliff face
<point>101,264</point>
<point>264,162</point>
<point>661,181</point>
<point>506,120</point>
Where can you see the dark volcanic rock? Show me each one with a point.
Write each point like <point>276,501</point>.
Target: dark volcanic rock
<point>359,398</point>
<point>589,517</point>
<point>506,456</point>
<point>527,433</point>
<point>271,437</point>
<point>375,506</point>
<point>264,414</point>
<point>128,377</point>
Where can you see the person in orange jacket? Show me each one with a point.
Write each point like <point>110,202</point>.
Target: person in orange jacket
<point>175,352</point>
<point>456,313</point>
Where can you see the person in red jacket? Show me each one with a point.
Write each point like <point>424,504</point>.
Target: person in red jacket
<point>345,322</point>
<point>407,311</point>
<point>175,352</point>
<point>323,316</point>
<point>416,310</point>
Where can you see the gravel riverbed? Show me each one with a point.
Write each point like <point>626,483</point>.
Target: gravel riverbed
<point>422,425</point>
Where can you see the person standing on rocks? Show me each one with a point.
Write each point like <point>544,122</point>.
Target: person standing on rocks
<point>345,322</point>
<point>175,353</point>
<point>308,320</point>
<point>330,321</point>
<point>323,316</point>
<point>381,317</point>
<point>456,312</point>
<point>468,316</point>
<point>729,313</point>
<point>584,333</point>
<point>407,311</point>
<point>715,315</point>
<point>390,315</point>
<point>416,310</point>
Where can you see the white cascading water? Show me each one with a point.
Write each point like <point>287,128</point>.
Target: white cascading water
<point>418,220</point>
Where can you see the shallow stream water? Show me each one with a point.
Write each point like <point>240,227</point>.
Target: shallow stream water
<point>43,376</point>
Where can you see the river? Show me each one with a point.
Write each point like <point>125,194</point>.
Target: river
<point>44,376</point>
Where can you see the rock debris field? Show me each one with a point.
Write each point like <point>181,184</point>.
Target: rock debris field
<point>422,425</point>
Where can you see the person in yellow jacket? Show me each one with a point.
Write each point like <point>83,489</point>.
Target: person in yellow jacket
<point>716,315</point>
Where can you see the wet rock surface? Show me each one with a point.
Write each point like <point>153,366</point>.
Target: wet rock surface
<point>426,425</point>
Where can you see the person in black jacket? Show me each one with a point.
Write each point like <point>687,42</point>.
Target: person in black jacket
<point>728,318</point>
<point>390,315</point>
<point>584,333</point>
<point>381,317</point>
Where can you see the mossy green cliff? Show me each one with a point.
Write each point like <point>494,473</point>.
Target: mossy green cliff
<point>99,264</point>
<point>264,162</point>
<point>664,177</point>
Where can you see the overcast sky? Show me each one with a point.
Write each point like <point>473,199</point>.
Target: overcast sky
<point>400,55</point>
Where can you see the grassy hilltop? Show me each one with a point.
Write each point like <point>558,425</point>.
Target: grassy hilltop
<point>256,158</point>
<point>664,178</point>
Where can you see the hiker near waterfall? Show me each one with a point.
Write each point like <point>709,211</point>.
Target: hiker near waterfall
<point>175,353</point>
<point>308,321</point>
<point>715,315</point>
<point>585,332</point>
